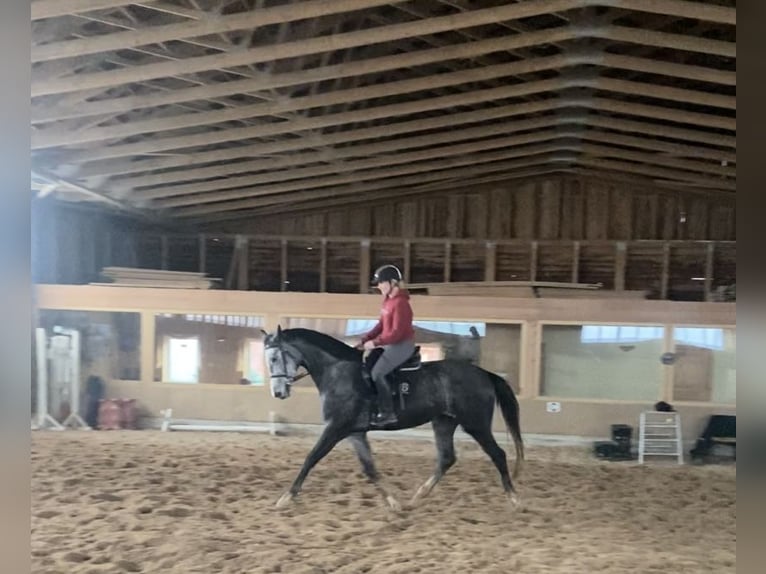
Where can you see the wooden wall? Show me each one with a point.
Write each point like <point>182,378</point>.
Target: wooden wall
<point>71,244</point>
<point>579,416</point>
<point>563,207</point>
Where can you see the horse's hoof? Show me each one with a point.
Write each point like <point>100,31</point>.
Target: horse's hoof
<point>424,490</point>
<point>284,500</point>
<point>514,499</point>
<point>393,503</point>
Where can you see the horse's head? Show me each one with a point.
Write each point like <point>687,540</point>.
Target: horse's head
<point>282,362</point>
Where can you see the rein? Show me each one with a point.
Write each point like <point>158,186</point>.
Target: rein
<point>297,378</point>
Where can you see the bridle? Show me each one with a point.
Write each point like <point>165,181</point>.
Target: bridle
<point>290,380</point>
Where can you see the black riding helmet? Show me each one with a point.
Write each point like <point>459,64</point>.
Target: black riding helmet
<point>386,273</point>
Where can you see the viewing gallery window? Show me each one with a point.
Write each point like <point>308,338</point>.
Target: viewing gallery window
<point>109,342</point>
<point>495,347</point>
<point>619,362</point>
<point>197,348</point>
<point>706,364</point>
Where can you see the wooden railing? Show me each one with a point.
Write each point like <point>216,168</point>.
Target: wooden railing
<point>679,270</point>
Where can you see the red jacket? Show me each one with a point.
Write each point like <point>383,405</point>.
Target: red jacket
<point>395,324</point>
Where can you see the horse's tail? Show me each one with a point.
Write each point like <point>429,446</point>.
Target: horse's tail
<point>509,406</point>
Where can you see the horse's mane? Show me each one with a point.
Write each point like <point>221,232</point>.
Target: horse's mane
<point>336,348</point>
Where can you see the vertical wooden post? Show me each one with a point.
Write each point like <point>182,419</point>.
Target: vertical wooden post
<point>323,266</point>
<point>576,262</point>
<point>107,257</point>
<point>490,261</point>
<point>709,260</point>
<point>620,259</point>
<point>447,261</point>
<point>530,373</point>
<point>668,371</point>
<point>148,345</point>
<point>243,277</point>
<point>202,245</point>
<point>132,255</point>
<point>664,278</point>
<point>163,252</point>
<point>283,266</point>
<point>364,266</point>
<point>533,261</point>
<point>407,260</point>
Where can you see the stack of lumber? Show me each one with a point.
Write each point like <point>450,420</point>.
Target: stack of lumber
<point>155,278</point>
<point>527,289</point>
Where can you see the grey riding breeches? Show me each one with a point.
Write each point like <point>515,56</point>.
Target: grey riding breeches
<point>392,357</point>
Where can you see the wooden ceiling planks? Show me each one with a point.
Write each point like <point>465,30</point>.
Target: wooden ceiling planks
<point>210,110</point>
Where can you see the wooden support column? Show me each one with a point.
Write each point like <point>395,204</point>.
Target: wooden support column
<point>668,371</point>
<point>233,265</point>
<point>447,261</point>
<point>576,262</point>
<point>531,357</point>
<point>490,261</point>
<point>709,260</point>
<point>664,278</point>
<point>107,254</point>
<point>620,259</point>
<point>148,343</point>
<point>407,260</point>
<point>243,275</point>
<point>323,265</point>
<point>533,261</point>
<point>454,215</point>
<point>364,266</point>
<point>283,266</point>
<point>202,245</point>
<point>164,252</point>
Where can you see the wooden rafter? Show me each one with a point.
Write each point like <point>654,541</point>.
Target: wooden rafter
<point>204,110</point>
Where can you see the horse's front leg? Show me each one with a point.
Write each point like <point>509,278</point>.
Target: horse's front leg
<point>331,436</point>
<point>364,453</point>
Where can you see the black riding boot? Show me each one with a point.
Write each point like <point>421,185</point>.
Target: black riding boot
<point>386,414</point>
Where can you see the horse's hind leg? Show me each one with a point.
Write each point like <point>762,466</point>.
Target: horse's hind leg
<point>364,453</point>
<point>444,433</point>
<point>489,445</point>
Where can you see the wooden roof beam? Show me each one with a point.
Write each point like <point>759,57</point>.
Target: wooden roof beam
<point>434,177</point>
<point>214,192</point>
<point>305,47</point>
<point>64,136</point>
<point>54,8</point>
<point>596,104</point>
<point>678,8</point>
<point>366,170</point>
<point>203,27</point>
<point>376,198</point>
<point>456,167</point>
<point>393,182</point>
<point>315,75</point>
<point>400,109</point>
<point>287,165</point>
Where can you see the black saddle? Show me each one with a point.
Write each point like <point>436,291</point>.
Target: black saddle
<point>399,379</point>
<point>412,364</point>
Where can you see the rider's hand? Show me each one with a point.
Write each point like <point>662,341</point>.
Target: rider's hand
<point>369,345</point>
<point>359,346</point>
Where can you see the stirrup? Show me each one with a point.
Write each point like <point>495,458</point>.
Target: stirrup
<point>379,421</point>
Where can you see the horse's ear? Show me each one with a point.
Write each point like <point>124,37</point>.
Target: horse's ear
<point>265,334</point>
<point>279,331</point>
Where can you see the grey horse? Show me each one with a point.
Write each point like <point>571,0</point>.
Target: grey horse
<point>445,393</point>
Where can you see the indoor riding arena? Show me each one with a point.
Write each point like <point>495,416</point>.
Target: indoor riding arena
<point>215,184</point>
